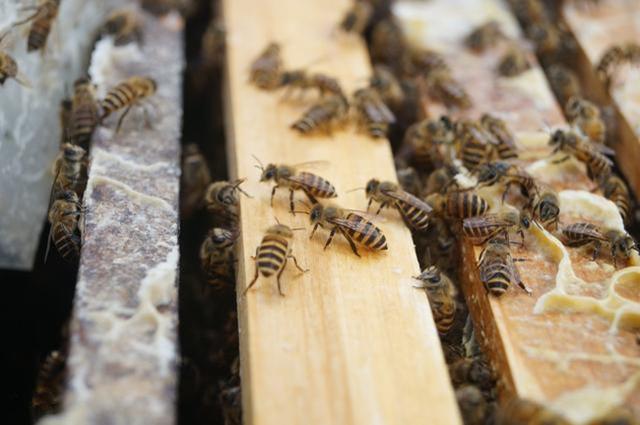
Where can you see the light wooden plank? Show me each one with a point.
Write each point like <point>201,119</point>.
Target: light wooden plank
<point>352,342</point>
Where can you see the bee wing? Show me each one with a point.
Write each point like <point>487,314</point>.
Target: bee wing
<point>603,149</point>
<point>311,165</point>
<point>347,224</point>
<point>407,198</point>
<point>379,112</point>
<point>488,220</point>
<point>593,233</point>
<point>299,179</point>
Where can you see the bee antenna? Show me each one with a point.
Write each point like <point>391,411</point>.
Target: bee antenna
<point>305,203</point>
<point>354,189</point>
<point>260,164</point>
<point>302,212</point>
<point>298,228</point>
<point>237,186</point>
<point>277,221</point>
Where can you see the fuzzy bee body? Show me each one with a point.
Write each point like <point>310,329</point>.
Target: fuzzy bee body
<point>221,199</point>
<point>216,256</point>
<point>497,269</point>
<point>591,154</point>
<point>480,229</point>
<point>414,210</point>
<point>387,85</point>
<point>581,234</point>
<point>458,205</point>
<point>266,69</point>
<point>444,88</point>
<point>615,189</point>
<point>127,93</point>
<point>586,116</point>
<point>513,62</point>
<point>124,26</point>
<point>41,22</point>
<point>68,168</point>
<point>508,175</point>
<point>545,207</point>
<point>323,114</point>
<point>374,115</point>
<point>430,142</point>
<point>64,218</point>
<point>476,145</point>
<point>441,294</point>
<point>506,146</point>
<point>83,116</point>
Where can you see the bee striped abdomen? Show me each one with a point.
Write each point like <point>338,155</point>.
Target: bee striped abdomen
<point>444,312</point>
<point>41,26</point>
<point>417,217</point>
<point>65,241</point>
<point>317,186</point>
<point>119,97</point>
<point>83,122</point>
<point>579,234</point>
<point>474,153</point>
<point>366,233</point>
<point>464,204</point>
<point>272,255</point>
<point>496,276</point>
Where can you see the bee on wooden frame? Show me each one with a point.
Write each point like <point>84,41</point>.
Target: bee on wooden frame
<point>83,115</point>
<point>216,257</point>
<point>68,168</point>
<point>482,228</point>
<point>323,115</point>
<point>545,207</point>
<point>125,27</point>
<point>508,175</point>
<point>458,204</point>
<point>581,234</point>
<point>373,114</point>
<point>591,154</point>
<point>497,267</point>
<point>506,145</point>
<point>387,85</point>
<point>564,82</point>
<point>64,217</point>
<point>41,21</point>
<point>266,69</point>
<point>413,209</point>
<point>221,200</point>
<point>441,293</point>
<point>125,95</point>
<point>303,81</point>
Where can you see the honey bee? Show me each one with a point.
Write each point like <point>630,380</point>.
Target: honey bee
<point>64,113</point>
<point>458,204</point>
<point>373,114</point>
<point>430,142</point>
<point>586,116</point>
<point>195,179</point>
<point>9,68</point>
<point>441,293</point>
<point>216,256</point>
<point>472,370</point>
<point>387,86</point>
<point>473,406</point>
<point>530,11</point>
<point>230,396</point>
<point>506,145</point>
<point>50,383</point>
<point>273,253</point>
<point>476,145</point>
<point>409,179</point>
<point>388,44</point>
<point>497,268</point>
<point>64,219</point>
<point>616,190</point>
<point>482,228</point>
<point>356,229</point>
<point>83,116</point>
<point>414,210</point>
<point>221,199</point>
<point>288,176</point>
<point>67,168</point>
<point>545,207</point>
<point>124,26</point>
<point>508,175</point>
<point>426,61</point>
<point>484,36</point>
<point>613,57</point>
<point>443,88</point>
<point>591,154</point>
<point>266,70</point>
<point>42,19</point>
<point>564,82</point>
<point>323,115</point>
<point>546,37</point>
<point>213,44</point>
<point>300,79</point>
<point>520,411</point>
<point>581,234</point>
<point>441,180</point>
<point>513,62</point>
<point>125,95</point>
<point>357,17</point>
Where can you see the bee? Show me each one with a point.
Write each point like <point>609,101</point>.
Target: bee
<point>357,17</point>
<point>213,44</point>
<point>441,179</point>
<point>615,190</point>
<point>476,145</point>
<point>9,68</point>
<point>388,44</point>
<point>506,145</point>
<point>195,179</point>
<point>67,168</point>
<point>125,95</point>
<point>221,199</point>
<point>230,396</point>
<point>443,88</point>
<point>521,411</point>
<point>216,256</point>
<point>426,61</point>
<point>484,36</point>
<point>266,69</point>
<point>564,82</point>
<point>545,207</point>
<point>355,228</point>
<point>83,116</point>
<point>473,406</point>
<point>507,174</point>
<point>482,228</point>
<point>64,114</point>
<point>273,253</point>
<point>124,26</point>
<point>414,210</point>
<point>387,86</point>
<point>302,80</point>
<point>615,56</point>
<point>581,234</point>
<point>441,293</point>
<point>430,141</point>
<point>64,219</point>
<point>591,154</point>
<point>409,179</point>
<point>586,116</point>
<point>42,19</point>
<point>472,370</point>
<point>497,268</point>
<point>546,38</point>
<point>288,176</point>
<point>530,11</point>
<point>323,115</point>
<point>373,113</point>
<point>50,383</point>
<point>458,204</point>
<point>513,62</point>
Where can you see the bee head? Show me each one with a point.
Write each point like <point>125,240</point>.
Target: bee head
<point>220,236</point>
<point>153,86</point>
<point>69,196</point>
<point>372,187</point>
<point>82,81</point>
<point>557,139</point>
<point>269,173</point>
<point>430,277</point>
<point>316,213</point>
<point>73,152</point>
<point>280,230</point>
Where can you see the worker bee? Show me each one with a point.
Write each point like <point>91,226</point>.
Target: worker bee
<point>564,82</point>
<point>221,199</point>
<point>67,168</point>
<point>425,61</point>
<point>441,179</point>
<point>443,88</point>
<point>506,146</point>
<point>387,86</point>
<point>508,175</point>
<point>484,36</point>
<point>430,142</point>
<point>64,219</point>
<point>616,190</point>
<point>458,204</point>
<point>545,207</point>
<point>267,68</point>
<point>472,404</point>
<point>124,26</point>
<point>497,268</point>
<point>125,95</point>
<point>513,62</point>
<point>520,411</point>
<point>216,256</point>
<point>9,68</point>
<point>476,145</point>
<point>373,114</point>
<point>482,228</point>
<point>586,116</point>
<point>83,116</point>
<point>288,176</point>
<point>195,179</point>
<point>530,11</point>
<point>414,210</point>
<point>441,293</point>
<point>300,79</point>
<point>47,396</point>
<point>230,395</point>
<point>323,115</point>
<point>357,17</point>
<point>213,44</point>
<point>273,253</point>
<point>591,154</point>
<point>613,57</point>
<point>355,228</point>
<point>42,19</point>
<point>388,44</point>
<point>581,234</point>
<point>472,370</point>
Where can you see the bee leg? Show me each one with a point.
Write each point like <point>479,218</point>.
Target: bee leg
<point>278,278</point>
<point>561,160</point>
<point>255,277</point>
<point>382,205</point>
<point>369,204</point>
<point>331,235</point>
<point>273,193</point>
<point>314,230</point>
<point>124,114</point>
<point>351,243</point>
<point>596,251</point>
<point>291,202</point>
<point>506,190</point>
<point>295,261</point>
<point>524,287</point>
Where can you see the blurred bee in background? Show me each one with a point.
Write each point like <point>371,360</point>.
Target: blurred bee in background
<point>372,112</point>
<point>356,229</point>
<point>497,268</point>
<point>472,370</point>
<point>323,115</point>
<point>482,228</point>
<point>441,180</point>
<point>484,36</point>
<point>506,146</point>
<point>553,42</point>
<point>357,18</point>
<point>414,210</point>
<point>302,80</point>
<point>83,115</point>
<point>194,180</point>
<point>508,175</point>
<point>530,11</point>
<point>545,207</point>
<point>68,168</point>
<point>221,199</point>
<point>458,204</point>
<point>64,217</point>
<point>520,411</point>
<point>266,69</point>
<point>388,45</point>
<point>445,89</point>
<point>564,82</point>
<point>409,179</point>
<point>124,25</point>
<point>387,86</point>
<point>586,116</point>
<point>47,396</point>
<point>591,154</point>
<point>441,293</point>
<point>216,257</point>
<point>425,61</point>
<point>513,62</point>
<point>475,144</point>
<point>616,190</point>
<point>615,56</point>
<point>125,95</point>
<point>473,406</point>
<point>581,234</point>
<point>430,142</point>
<point>9,68</point>
<point>41,22</point>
